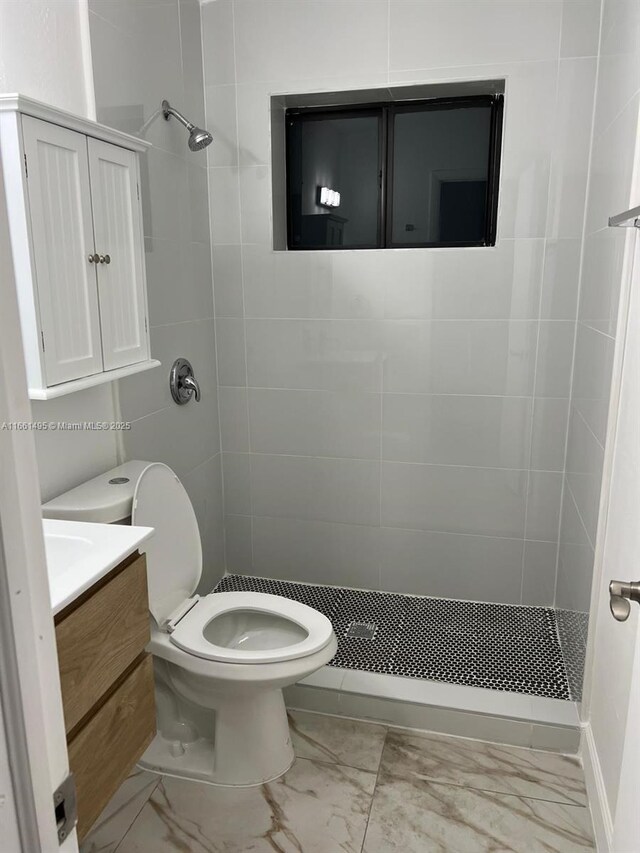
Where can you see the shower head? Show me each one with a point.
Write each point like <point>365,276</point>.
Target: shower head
<point>198,137</point>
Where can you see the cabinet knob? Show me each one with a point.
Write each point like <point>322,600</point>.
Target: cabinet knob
<point>93,259</point>
<point>105,259</point>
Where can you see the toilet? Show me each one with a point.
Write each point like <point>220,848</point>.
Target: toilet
<point>222,659</point>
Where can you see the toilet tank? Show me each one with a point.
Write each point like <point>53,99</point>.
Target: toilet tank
<point>107,498</point>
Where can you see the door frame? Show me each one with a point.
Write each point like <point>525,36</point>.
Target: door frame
<point>603,820</point>
<point>29,680</point>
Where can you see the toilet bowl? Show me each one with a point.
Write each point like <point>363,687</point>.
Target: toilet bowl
<point>222,659</point>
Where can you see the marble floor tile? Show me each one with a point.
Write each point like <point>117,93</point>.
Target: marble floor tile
<point>112,825</point>
<point>315,807</point>
<point>337,740</point>
<point>487,766</point>
<point>425,817</point>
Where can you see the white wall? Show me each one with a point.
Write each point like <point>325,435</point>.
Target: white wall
<point>45,54</point>
<point>397,419</point>
<point>143,53</point>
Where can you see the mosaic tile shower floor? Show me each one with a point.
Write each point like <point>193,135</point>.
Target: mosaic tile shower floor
<point>499,646</point>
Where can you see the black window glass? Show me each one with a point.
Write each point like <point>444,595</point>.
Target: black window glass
<point>394,175</point>
<point>333,163</point>
<point>440,175</point>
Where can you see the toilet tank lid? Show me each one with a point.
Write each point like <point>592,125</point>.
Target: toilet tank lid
<point>107,498</point>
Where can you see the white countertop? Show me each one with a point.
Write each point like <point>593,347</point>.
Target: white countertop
<point>79,553</point>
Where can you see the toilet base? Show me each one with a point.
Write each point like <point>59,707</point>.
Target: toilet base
<point>250,745</point>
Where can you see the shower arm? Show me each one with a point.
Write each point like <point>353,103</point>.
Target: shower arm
<point>168,110</point>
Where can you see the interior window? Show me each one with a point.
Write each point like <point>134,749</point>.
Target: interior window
<point>394,175</point>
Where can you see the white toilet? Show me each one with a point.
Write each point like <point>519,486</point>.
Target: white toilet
<point>221,660</point>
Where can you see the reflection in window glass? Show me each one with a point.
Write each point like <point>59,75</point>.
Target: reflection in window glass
<point>333,163</point>
<point>440,173</point>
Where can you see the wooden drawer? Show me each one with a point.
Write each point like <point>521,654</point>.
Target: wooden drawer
<point>100,636</point>
<point>105,749</point>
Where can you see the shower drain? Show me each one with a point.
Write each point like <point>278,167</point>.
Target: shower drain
<point>362,630</point>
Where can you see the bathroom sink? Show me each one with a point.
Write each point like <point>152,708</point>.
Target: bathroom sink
<point>80,553</point>
<point>64,550</point>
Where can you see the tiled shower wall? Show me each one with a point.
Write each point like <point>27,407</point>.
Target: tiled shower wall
<point>611,190</point>
<point>144,52</point>
<point>397,419</point>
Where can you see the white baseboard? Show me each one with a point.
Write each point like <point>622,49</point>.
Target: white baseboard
<point>600,813</point>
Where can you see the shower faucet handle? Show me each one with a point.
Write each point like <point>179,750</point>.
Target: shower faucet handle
<point>183,383</point>
<point>191,383</point>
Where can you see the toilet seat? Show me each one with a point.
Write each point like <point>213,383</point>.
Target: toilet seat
<point>189,632</point>
<point>174,552</point>
<point>259,628</point>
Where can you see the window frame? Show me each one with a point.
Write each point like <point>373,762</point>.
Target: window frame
<point>386,112</point>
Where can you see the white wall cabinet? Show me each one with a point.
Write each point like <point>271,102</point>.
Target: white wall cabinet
<point>75,219</point>
<point>117,226</point>
<point>62,237</point>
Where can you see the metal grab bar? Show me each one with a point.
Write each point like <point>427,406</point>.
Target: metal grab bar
<point>626,219</point>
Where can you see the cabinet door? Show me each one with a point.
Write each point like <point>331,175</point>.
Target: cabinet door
<point>62,241</point>
<point>118,232</point>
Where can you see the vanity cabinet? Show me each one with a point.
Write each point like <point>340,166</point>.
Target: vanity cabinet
<point>75,218</point>
<point>107,684</point>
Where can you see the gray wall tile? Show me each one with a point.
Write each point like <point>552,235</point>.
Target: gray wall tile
<point>342,490</point>
<point>142,53</point>
<point>485,501</point>
<point>460,359</point>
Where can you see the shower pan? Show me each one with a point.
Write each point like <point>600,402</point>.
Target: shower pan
<point>494,671</point>
<point>499,646</point>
